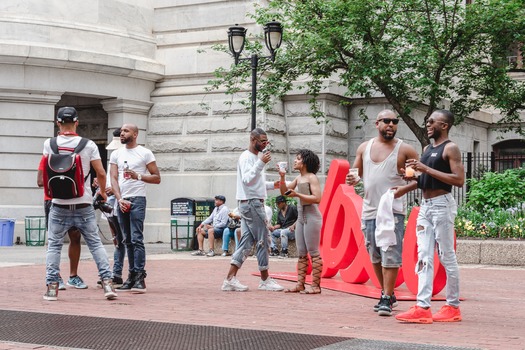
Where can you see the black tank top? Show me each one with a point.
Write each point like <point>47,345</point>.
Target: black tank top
<point>433,157</point>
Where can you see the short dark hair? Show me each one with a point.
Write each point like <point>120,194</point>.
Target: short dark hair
<point>280,199</point>
<point>310,159</point>
<point>449,116</point>
<point>257,132</point>
<point>116,132</point>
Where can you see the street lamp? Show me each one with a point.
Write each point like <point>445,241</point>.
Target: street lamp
<point>273,34</point>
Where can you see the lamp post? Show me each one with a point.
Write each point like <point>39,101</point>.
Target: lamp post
<point>272,38</point>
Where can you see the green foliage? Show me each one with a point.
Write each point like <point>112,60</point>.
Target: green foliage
<point>497,190</point>
<point>496,206</point>
<point>415,53</point>
<point>493,223</point>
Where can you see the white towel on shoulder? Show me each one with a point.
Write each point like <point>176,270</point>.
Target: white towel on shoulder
<point>385,221</point>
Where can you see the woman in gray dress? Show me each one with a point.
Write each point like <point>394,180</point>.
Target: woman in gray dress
<point>307,189</point>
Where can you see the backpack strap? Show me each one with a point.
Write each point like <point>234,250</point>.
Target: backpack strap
<point>53,144</point>
<point>83,142</point>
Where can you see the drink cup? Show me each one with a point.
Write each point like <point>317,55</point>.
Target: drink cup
<point>282,166</point>
<point>354,172</point>
<point>409,172</point>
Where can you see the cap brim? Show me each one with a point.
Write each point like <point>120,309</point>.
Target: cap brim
<point>115,144</point>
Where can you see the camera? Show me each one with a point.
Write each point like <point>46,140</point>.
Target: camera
<point>102,206</point>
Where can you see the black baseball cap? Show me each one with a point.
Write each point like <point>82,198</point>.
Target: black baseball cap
<point>221,198</point>
<point>67,115</point>
<point>280,199</point>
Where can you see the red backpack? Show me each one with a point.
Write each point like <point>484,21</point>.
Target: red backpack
<point>63,174</point>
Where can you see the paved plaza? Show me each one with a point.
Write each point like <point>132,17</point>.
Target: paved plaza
<point>184,296</point>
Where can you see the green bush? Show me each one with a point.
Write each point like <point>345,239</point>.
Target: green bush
<point>495,207</point>
<point>497,190</point>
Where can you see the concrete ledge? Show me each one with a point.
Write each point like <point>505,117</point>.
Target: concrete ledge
<point>485,252</point>
<point>491,252</point>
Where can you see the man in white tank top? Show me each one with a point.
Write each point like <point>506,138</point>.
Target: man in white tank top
<point>380,161</point>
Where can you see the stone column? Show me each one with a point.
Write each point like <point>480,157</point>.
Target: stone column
<point>121,111</point>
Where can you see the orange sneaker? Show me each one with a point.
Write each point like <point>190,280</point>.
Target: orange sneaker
<point>416,314</point>
<point>447,314</point>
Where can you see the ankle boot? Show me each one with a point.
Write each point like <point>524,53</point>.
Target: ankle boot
<point>317,269</point>
<point>128,284</point>
<point>140,285</point>
<point>302,267</point>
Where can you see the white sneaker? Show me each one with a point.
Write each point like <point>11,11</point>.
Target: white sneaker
<point>270,285</point>
<point>233,285</point>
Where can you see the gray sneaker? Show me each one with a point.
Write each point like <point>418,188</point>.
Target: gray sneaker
<point>198,253</point>
<point>109,291</point>
<point>52,292</point>
<point>61,284</point>
<point>233,285</point>
<point>210,253</point>
<point>270,285</point>
<point>76,282</point>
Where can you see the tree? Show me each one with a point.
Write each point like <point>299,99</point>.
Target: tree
<point>417,53</point>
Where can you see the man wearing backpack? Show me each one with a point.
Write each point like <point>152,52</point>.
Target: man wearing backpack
<point>131,168</point>
<point>72,204</point>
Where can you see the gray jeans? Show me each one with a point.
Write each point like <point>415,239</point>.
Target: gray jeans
<point>435,229</point>
<point>253,231</point>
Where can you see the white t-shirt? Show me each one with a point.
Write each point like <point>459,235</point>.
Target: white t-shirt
<point>138,158</point>
<point>89,153</point>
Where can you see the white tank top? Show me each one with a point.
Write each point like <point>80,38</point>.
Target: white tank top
<point>378,178</point>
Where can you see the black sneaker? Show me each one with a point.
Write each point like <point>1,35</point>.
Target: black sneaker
<point>274,252</point>
<point>128,284</point>
<point>385,306</point>
<point>140,285</point>
<point>392,298</point>
<point>284,254</point>
<point>117,282</point>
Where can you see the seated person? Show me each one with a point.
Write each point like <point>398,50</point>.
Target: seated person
<point>285,227</point>
<point>232,231</point>
<point>213,226</point>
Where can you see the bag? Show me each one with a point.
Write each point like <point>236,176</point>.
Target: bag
<point>63,174</point>
<point>233,223</point>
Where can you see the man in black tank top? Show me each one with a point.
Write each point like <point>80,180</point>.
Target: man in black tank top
<point>441,168</point>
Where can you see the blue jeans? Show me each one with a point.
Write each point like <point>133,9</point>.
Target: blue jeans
<point>228,234</point>
<point>60,221</point>
<point>285,234</point>
<point>254,231</point>
<point>435,229</point>
<point>132,226</point>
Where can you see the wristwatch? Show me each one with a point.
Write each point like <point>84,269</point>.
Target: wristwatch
<point>139,177</point>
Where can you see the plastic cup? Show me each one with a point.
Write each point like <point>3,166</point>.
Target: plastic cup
<point>282,166</point>
<point>354,172</point>
<point>410,172</point>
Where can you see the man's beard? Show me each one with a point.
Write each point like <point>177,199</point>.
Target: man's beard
<point>388,136</point>
<point>125,141</point>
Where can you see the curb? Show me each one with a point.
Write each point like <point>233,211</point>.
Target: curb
<point>490,252</point>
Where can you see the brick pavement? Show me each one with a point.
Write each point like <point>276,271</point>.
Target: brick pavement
<point>184,289</point>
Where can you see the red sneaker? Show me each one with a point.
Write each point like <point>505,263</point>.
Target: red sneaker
<point>416,314</point>
<point>447,314</point>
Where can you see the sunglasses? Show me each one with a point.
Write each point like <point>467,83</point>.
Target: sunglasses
<point>388,121</point>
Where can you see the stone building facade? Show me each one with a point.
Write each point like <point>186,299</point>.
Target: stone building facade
<point>140,61</point>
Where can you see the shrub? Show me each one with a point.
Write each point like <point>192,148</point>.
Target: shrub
<point>495,207</point>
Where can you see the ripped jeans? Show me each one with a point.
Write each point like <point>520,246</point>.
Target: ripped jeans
<point>253,231</point>
<point>435,229</point>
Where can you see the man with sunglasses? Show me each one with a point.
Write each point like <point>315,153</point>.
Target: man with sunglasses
<point>380,161</point>
<point>441,168</point>
<point>251,193</point>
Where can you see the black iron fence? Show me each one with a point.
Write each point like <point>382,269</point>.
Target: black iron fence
<point>476,164</point>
